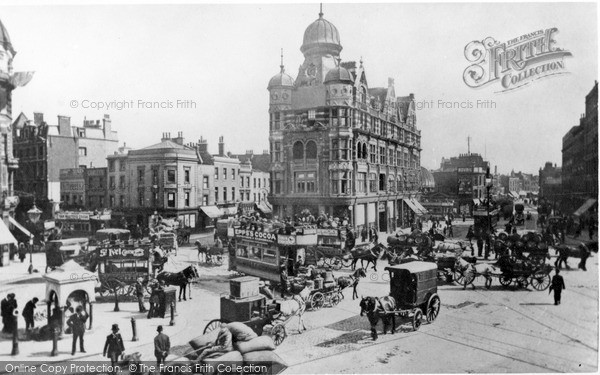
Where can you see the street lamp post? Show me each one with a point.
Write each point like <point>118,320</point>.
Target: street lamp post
<point>488,186</point>
<point>34,215</point>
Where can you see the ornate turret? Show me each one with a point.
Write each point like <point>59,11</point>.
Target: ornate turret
<point>280,87</point>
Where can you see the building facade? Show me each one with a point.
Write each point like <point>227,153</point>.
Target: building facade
<point>580,157</point>
<point>463,178</point>
<point>338,146</point>
<point>46,149</point>
<point>255,182</point>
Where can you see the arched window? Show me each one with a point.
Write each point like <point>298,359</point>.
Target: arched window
<point>311,150</point>
<point>298,150</point>
<point>364,151</point>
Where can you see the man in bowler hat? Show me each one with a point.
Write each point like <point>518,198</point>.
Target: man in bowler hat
<point>162,345</point>
<point>113,348</point>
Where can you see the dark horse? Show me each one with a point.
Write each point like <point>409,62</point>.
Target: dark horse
<point>375,308</point>
<point>345,281</point>
<point>180,279</point>
<point>376,253</point>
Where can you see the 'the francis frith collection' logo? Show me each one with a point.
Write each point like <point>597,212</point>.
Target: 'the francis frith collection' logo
<point>515,63</point>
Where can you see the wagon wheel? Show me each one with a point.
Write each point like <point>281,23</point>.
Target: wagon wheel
<point>522,281</point>
<point>336,298</point>
<point>458,276</point>
<point>278,333</point>
<point>417,316</point>
<point>505,280</point>
<point>212,325</point>
<point>317,301</point>
<point>540,281</point>
<point>113,286</point>
<point>128,290</point>
<point>536,259</point>
<point>433,308</point>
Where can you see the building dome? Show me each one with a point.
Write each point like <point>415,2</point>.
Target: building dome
<point>321,33</point>
<point>281,79</point>
<point>427,180</point>
<point>5,40</point>
<point>339,75</point>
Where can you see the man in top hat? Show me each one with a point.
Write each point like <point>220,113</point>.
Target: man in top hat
<point>162,345</point>
<point>113,348</point>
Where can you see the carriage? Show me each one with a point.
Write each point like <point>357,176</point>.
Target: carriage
<point>521,272</point>
<point>120,267</point>
<point>252,309</point>
<point>414,288</point>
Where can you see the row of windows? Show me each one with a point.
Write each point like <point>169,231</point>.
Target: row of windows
<point>225,173</point>
<point>246,194</point>
<point>171,198</point>
<point>120,163</point>
<point>171,175</point>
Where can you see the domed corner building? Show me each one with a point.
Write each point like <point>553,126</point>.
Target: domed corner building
<point>339,146</point>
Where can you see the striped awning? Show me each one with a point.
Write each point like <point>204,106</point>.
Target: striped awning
<point>211,211</point>
<point>420,207</point>
<point>411,204</point>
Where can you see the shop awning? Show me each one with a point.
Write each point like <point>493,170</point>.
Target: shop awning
<point>420,207</point>
<point>264,207</point>
<point>412,206</point>
<point>228,211</point>
<point>514,194</point>
<point>211,211</point>
<point>5,236</point>
<point>584,207</point>
<point>21,228</point>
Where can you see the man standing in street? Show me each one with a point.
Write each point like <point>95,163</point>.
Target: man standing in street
<point>29,312</point>
<point>557,285</point>
<point>4,309</point>
<point>585,253</point>
<point>139,293</point>
<point>113,347</point>
<point>77,324</point>
<point>162,345</point>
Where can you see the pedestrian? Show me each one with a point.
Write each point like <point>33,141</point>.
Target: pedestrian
<point>77,324</point>
<point>29,312</point>
<point>364,233</point>
<point>591,226</point>
<point>450,231</point>
<point>139,293</point>
<point>22,252</point>
<point>283,280</point>
<point>11,307</point>
<point>557,285</point>
<point>470,236</point>
<point>162,345</point>
<point>479,245</point>
<point>585,253</point>
<point>113,347</point>
<point>4,307</point>
<point>375,236</point>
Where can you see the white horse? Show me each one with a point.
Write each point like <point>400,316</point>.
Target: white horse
<point>296,306</point>
<point>471,271</point>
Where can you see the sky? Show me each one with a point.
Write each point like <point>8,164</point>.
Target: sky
<point>221,57</point>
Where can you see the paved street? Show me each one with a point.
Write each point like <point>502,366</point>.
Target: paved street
<point>496,330</point>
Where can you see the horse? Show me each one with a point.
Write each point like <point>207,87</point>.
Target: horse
<point>470,271</point>
<point>296,306</point>
<point>202,252</point>
<point>180,279</point>
<point>345,281</point>
<point>375,308</point>
<point>376,253</point>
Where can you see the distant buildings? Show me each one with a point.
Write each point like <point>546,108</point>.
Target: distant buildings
<point>338,145</point>
<point>43,150</point>
<point>550,183</point>
<point>462,179</point>
<point>580,159</point>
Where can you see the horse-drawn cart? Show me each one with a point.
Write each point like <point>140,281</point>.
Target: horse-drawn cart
<point>413,296</point>
<point>119,268</point>
<point>253,310</point>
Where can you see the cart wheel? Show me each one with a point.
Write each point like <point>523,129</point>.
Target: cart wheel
<point>458,276</point>
<point>212,325</point>
<point>317,301</point>
<point>433,308</point>
<point>336,298</point>
<point>540,281</point>
<point>522,282</point>
<point>417,316</point>
<point>505,280</point>
<point>278,333</point>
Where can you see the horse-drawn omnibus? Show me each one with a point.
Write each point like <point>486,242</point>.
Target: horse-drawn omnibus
<point>119,267</point>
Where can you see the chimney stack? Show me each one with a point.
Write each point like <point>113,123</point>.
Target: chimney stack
<point>202,145</point>
<point>64,126</point>
<point>38,118</point>
<point>165,137</point>
<point>179,139</point>
<point>221,146</point>
<point>107,126</point>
